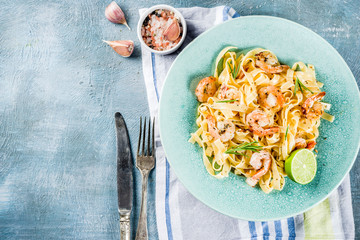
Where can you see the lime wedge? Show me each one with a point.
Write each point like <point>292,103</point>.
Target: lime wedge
<point>300,166</point>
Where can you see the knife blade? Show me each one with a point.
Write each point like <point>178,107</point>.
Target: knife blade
<point>124,176</point>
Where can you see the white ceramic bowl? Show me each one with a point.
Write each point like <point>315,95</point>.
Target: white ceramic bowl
<point>177,14</point>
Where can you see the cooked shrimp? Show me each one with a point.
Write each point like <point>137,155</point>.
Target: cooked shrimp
<point>255,160</point>
<point>225,130</point>
<point>301,143</point>
<point>271,97</point>
<point>205,89</point>
<point>228,93</point>
<point>262,161</point>
<point>268,63</point>
<point>312,108</point>
<point>311,145</point>
<point>257,120</point>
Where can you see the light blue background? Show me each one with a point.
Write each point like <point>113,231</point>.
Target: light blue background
<point>59,89</point>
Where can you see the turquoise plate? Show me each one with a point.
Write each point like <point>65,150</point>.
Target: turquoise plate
<point>338,142</point>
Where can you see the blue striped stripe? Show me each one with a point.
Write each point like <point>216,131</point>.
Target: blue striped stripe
<point>291,227</point>
<point>167,208</point>
<point>278,230</point>
<point>225,13</point>
<point>252,229</point>
<point>154,74</point>
<point>236,15</point>
<point>167,179</point>
<point>265,228</point>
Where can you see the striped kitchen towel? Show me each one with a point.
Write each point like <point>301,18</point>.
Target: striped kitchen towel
<point>175,215</point>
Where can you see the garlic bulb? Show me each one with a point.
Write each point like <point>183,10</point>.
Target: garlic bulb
<point>114,14</point>
<point>123,47</point>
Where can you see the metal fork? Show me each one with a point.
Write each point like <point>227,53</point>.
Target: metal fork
<point>145,163</point>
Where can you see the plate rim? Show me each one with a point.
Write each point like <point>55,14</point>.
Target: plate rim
<point>207,203</point>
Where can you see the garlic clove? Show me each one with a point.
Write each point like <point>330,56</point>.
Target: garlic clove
<point>123,47</point>
<point>114,14</point>
<point>173,31</point>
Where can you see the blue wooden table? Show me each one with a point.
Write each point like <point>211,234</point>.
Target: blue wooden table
<point>60,86</point>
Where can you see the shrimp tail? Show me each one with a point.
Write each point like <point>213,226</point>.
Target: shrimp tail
<point>263,170</point>
<point>311,145</point>
<point>255,158</point>
<point>251,182</point>
<point>211,127</point>
<point>307,105</point>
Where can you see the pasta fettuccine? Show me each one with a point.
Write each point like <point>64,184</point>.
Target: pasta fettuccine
<point>254,112</point>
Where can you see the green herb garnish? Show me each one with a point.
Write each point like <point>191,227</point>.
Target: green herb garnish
<point>237,71</point>
<point>301,86</point>
<point>296,86</point>
<point>225,101</point>
<point>244,147</point>
<point>231,70</point>
<point>234,72</point>
<point>220,64</point>
<point>287,129</point>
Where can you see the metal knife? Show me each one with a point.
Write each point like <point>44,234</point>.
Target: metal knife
<point>124,176</point>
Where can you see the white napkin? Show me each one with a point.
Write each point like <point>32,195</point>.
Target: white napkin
<point>179,215</point>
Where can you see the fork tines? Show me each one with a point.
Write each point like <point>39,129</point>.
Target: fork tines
<point>142,136</point>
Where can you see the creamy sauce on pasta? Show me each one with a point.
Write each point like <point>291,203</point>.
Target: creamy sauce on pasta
<point>234,106</point>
